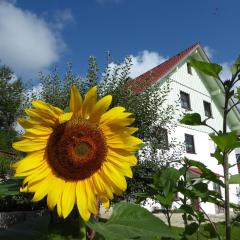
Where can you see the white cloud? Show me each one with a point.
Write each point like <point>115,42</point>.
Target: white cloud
<point>145,61</point>
<point>226,71</point>
<point>28,44</point>
<point>62,18</point>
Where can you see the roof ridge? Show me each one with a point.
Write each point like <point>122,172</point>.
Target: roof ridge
<point>156,73</point>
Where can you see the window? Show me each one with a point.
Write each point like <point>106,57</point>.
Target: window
<point>162,134</point>
<point>189,68</point>
<point>207,109</point>
<point>238,161</point>
<point>212,147</point>
<point>189,143</point>
<point>185,100</point>
<point>217,188</point>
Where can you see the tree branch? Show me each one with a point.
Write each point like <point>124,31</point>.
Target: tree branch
<point>234,105</point>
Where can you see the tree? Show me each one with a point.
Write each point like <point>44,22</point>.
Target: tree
<point>11,96</point>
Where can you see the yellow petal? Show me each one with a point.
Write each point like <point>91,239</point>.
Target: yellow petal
<point>114,154</point>
<point>75,101</point>
<point>54,111</point>
<point>39,174</point>
<point>55,193</point>
<point>130,143</point>
<point>41,188</point>
<point>31,161</point>
<point>101,107</point>
<point>101,186</point>
<point>28,145</point>
<point>110,183</point>
<point>120,166</point>
<point>82,200</point>
<point>41,116</point>
<point>40,130</point>
<point>89,102</point>
<point>65,117</point>
<point>92,204</point>
<point>68,198</point>
<point>32,136</point>
<point>26,123</point>
<point>115,177</point>
<point>106,204</point>
<point>111,113</point>
<point>59,206</point>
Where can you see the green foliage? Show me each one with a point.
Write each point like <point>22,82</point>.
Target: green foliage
<point>10,186</point>
<point>193,119</point>
<point>11,97</point>
<point>206,174</point>
<point>226,142</point>
<point>236,66</point>
<point>210,69</point>
<point>129,221</point>
<point>234,179</point>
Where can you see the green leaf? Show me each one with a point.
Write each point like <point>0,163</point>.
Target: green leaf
<point>206,173</point>
<point>235,66</point>
<point>166,201</point>
<point>234,179</point>
<point>218,155</point>
<point>226,142</point>
<point>210,69</point>
<point>130,221</point>
<point>10,186</point>
<point>191,228</point>
<point>165,180</point>
<point>193,119</point>
<point>67,109</point>
<point>237,95</point>
<point>200,189</point>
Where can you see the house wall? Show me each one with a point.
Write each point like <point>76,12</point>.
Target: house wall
<point>181,80</point>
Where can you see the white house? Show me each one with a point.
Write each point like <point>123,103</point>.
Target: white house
<point>198,93</point>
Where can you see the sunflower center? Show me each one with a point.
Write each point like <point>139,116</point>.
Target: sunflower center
<point>82,149</point>
<point>76,150</point>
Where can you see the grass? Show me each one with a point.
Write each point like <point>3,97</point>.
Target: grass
<point>203,235</point>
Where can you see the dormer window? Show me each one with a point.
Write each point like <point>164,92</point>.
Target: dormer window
<point>189,68</point>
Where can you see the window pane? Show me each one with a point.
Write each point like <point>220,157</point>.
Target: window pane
<point>185,100</point>
<point>207,109</point>
<point>212,147</point>
<point>189,143</point>
<point>189,68</point>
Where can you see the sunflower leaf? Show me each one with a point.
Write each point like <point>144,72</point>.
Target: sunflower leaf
<point>130,221</point>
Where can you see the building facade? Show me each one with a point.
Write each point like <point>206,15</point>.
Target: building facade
<point>197,93</point>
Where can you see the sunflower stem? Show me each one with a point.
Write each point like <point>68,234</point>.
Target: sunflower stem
<point>82,229</point>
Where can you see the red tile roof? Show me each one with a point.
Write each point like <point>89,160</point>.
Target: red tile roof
<point>142,82</point>
<point>199,171</point>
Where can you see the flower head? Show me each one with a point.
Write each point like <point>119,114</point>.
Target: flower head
<point>79,156</point>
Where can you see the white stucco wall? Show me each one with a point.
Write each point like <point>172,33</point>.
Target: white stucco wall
<point>181,80</point>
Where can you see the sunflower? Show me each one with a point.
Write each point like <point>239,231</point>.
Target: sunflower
<point>78,157</point>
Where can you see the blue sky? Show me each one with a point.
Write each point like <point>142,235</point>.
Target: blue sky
<point>38,34</point>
